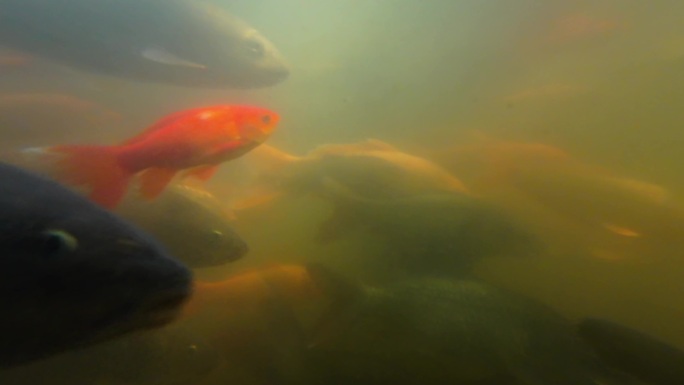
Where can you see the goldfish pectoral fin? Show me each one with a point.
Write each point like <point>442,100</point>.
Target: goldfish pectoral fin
<point>154,180</point>
<point>96,167</point>
<point>203,173</point>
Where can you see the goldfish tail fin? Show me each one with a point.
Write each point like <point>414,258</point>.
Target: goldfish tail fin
<point>96,167</point>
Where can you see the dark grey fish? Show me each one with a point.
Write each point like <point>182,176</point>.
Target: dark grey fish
<point>634,352</point>
<point>440,233</point>
<point>192,224</point>
<point>181,42</point>
<point>73,274</point>
<point>436,331</point>
<point>168,356</point>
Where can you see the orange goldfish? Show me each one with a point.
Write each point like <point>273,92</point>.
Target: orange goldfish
<point>236,308</point>
<point>195,141</point>
<point>252,287</point>
<point>259,319</point>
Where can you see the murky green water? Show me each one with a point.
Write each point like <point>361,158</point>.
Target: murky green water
<point>561,119</point>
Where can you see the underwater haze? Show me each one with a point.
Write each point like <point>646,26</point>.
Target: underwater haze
<point>354,182</point>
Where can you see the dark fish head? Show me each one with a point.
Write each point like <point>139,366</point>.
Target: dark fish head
<point>192,224</point>
<point>73,274</point>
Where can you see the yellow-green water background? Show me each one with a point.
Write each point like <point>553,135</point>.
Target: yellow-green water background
<point>420,73</point>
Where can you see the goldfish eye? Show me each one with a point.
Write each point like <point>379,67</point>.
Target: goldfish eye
<point>255,48</point>
<point>58,242</point>
<point>266,119</point>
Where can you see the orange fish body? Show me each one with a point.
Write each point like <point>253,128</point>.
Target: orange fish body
<point>195,140</point>
<point>234,311</point>
<point>252,287</point>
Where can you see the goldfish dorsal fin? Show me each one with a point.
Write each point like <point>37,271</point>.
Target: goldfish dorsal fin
<point>154,180</point>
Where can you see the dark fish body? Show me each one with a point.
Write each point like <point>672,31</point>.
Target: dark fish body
<point>181,42</point>
<point>168,356</point>
<point>73,274</point>
<point>634,352</point>
<point>193,225</point>
<point>434,331</point>
<point>433,233</point>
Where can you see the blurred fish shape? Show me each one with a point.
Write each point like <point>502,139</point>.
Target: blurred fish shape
<point>195,141</point>
<point>191,223</point>
<point>180,42</point>
<point>173,355</point>
<point>258,319</point>
<point>372,168</point>
<point>578,203</point>
<point>632,351</point>
<point>39,119</point>
<point>441,234</point>
<point>436,331</point>
<point>73,274</point>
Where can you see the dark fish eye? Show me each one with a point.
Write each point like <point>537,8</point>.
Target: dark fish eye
<point>255,48</point>
<point>58,242</point>
<point>266,119</point>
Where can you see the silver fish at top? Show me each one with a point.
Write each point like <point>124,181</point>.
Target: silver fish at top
<point>179,42</point>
